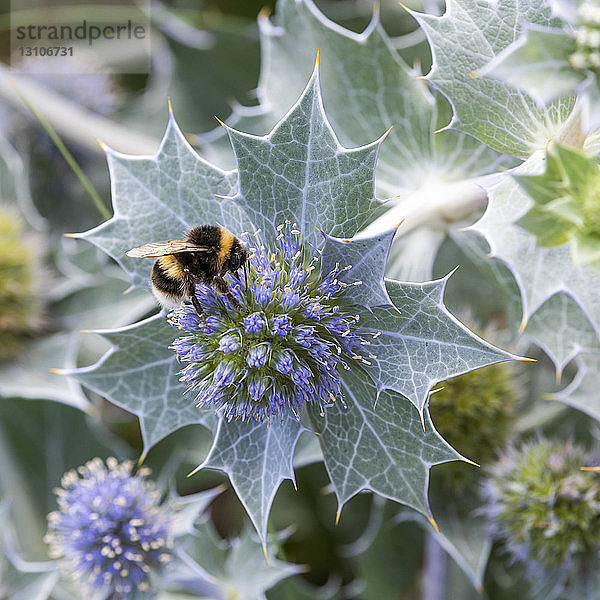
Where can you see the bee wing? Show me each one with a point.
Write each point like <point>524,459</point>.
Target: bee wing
<point>155,249</point>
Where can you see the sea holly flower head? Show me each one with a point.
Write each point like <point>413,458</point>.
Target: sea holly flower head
<point>110,533</point>
<point>20,310</point>
<point>284,343</point>
<point>544,507</point>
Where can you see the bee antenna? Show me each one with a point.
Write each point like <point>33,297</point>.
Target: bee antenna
<point>246,273</point>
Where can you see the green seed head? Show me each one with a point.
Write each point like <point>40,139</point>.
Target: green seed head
<point>474,412</point>
<point>19,302</point>
<point>544,507</point>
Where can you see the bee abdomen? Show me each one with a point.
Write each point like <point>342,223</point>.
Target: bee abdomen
<point>167,289</point>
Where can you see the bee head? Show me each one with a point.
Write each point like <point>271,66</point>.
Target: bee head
<point>238,256</point>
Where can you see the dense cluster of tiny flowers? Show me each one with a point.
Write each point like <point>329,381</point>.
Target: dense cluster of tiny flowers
<point>545,508</point>
<point>587,36</point>
<point>20,310</point>
<point>282,346</point>
<point>475,412</point>
<point>109,532</point>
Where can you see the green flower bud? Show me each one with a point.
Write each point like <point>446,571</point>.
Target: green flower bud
<point>587,38</point>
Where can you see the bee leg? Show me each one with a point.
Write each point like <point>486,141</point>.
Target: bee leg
<point>221,286</point>
<point>190,288</point>
<point>246,273</point>
<point>198,307</point>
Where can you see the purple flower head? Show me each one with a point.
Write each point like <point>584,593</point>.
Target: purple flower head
<point>264,294</point>
<point>330,286</point>
<point>305,336</point>
<point>110,533</point>
<point>259,356</point>
<point>290,298</point>
<point>297,276</point>
<point>282,325</point>
<point>284,363</point>
<point>254,322</point>
<point>257,388</point>
<point>224,374</point>
<point>282,346</point>
<point>229,344</point>
<point>314,310</point>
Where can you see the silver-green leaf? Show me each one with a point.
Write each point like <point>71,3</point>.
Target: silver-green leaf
<point>139,373</point>
<point>158,198</point>
<point>418,343</point>
<point>257,457</point>
<point>300,172</point>
<point>464,40</point>
<point>384,447</point>
<point>365,260</point>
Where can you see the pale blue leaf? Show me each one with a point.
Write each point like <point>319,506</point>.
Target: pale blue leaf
<point>139,373</point>
<point>386,448</point>
<point>464,40</point>
<point>420,343</point>
<point>538,63</point>
<point>562,329</point>
<point>257,457</point>
<point>158,198</point>
<point>367,258</point>
<point>300,172</point>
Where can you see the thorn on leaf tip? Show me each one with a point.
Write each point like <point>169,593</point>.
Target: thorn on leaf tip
<point>265,12</point>
<point>526,359</point>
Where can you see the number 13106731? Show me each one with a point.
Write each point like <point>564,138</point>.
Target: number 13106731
<point>46,50</point>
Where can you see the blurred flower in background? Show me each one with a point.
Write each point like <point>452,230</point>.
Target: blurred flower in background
<point>20,284</point>
<point>110,532</point>
<point>546,510</point>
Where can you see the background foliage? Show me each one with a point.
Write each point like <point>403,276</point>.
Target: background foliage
<point>498,178</point>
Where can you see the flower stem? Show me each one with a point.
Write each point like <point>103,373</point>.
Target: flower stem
<point>435,570</point>
<point>67,156</point>
<point>434,205</point>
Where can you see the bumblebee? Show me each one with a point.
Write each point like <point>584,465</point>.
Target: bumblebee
<point>204,255</point>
